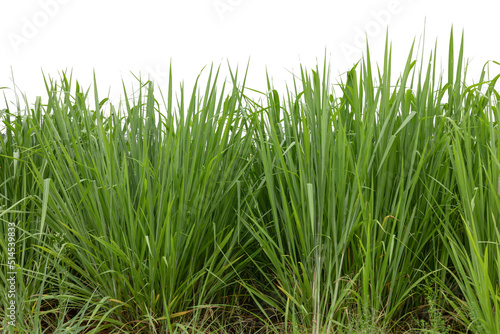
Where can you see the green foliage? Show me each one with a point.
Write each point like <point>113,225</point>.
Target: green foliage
<point>312,211</point>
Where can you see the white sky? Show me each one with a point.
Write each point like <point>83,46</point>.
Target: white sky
<point>116,37</point>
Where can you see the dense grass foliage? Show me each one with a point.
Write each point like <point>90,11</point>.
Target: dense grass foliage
<point>370,210</point>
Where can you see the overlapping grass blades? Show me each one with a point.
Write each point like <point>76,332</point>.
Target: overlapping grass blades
<point>144,203</point>
<point>309,210</point>
<point>474,155</point>
<point>365,195</point>
<point>340,185</point>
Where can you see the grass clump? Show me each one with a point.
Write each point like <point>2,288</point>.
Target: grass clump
<point>310,211</point>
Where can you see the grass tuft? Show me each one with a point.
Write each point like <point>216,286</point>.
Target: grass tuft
<point>365,206</point>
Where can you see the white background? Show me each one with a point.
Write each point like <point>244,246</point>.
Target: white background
<point>115,38</point>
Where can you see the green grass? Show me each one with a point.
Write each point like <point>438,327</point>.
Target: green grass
<point>364,206</point>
